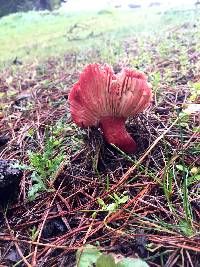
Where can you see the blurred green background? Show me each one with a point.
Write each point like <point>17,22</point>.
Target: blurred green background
<point>36,30</point>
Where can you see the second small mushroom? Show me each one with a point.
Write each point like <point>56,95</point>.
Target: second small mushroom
<point>101,98</point>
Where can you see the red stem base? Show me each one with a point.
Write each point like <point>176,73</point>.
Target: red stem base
<point>115,133</point>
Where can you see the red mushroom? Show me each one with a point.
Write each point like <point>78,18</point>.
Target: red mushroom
<point>101,98</point>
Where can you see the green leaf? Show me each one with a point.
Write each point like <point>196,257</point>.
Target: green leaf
<point>87,256</point>
<point>186,228</point>
<point>112,207</point>
<point>123,200</point>
<point>184,124</point>
<point>197,86</point>
<point>101,202</point>
<point>116,197</point>
<point>181,168</point>
<point>22,167</point>
<point>129,262</point>
<point>105,261</point>
<point>193,179</point>
<point>196,129</point>
<point>56,142</point>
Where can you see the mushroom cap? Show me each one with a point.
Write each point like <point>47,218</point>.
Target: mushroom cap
<point>100,93</point>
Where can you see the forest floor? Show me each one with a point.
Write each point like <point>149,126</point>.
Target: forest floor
<point>75,188</point>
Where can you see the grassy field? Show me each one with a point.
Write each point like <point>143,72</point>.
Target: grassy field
<point>38,36</point>
<point>76,189</point>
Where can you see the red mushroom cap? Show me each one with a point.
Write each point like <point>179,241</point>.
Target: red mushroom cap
<point>100,94</point>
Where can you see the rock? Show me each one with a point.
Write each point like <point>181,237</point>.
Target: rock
<point>9,180</point>
<point>53,228</point>
<point>3,140</point>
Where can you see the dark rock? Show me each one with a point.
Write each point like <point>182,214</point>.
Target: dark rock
<point>9,180</point>
<point>8,173</point>
<point>53,228</point>
<point>3,140</point>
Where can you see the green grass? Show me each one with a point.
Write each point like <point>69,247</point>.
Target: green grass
<point>40,35</point>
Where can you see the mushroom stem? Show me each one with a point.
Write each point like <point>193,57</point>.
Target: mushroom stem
<point>115,133</point>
